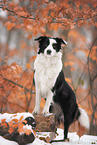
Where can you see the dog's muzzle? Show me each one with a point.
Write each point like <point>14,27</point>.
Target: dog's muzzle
<point>49,52</point>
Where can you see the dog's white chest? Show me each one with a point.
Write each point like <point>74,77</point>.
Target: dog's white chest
<point>46,72</point>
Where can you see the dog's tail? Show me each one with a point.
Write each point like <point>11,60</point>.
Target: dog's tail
<point>84,119</point>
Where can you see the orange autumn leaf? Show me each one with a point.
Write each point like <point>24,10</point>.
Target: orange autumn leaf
<point>52,14</point>
<point>43,30</point>
<point>29,36</point>
<point>23,45</point>
<point>10,26</point>
<point>32,58</point>
<point>10,123</point>
<point>3,124</point>
<point>21,118</point>
<point>15,125</point>
<point>28,65</point>
<point>25,121</point>
<point>14,115</point>
<point>22,13</point>
<point>46,139</point>
<point>12,18</point>
<point>3,120</point>
<point>20,128</point>
<point>27,131</point>
<point>3,8</point>
<point>16,68</point>
<point>15,120</point>
<point>10,130</point>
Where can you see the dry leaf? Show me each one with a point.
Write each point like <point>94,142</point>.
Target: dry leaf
<point>28,65</point>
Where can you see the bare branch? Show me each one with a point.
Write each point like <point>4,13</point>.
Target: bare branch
<point>19,85</point>
<point>4,98</point>
<point>16,13</point>
<point>54,19</point>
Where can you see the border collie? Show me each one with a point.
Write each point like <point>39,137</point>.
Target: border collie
<point>50,83</point>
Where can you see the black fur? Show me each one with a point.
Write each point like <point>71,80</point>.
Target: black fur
<point>65,97</point>
<point>44,42</point>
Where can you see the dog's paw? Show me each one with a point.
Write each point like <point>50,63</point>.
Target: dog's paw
<point>67,140</point>
<point>36,111</point>
<point>45,112</point>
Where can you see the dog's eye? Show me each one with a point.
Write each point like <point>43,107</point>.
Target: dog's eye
<point>54,46</point>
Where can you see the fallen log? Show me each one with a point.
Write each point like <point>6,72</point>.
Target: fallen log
<point>18,127</point>
<point>20,132</point>
<point>22,139</point>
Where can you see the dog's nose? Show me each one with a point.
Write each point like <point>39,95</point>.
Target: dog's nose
<point>49,52</point>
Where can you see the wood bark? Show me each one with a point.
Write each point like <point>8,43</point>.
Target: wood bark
<point>43,124</point>
<point>22,139</point>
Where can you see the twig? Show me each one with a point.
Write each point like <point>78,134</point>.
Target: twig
<point>84,98</point>
<point>16,104</point>
<point>4,98</point>
<point>33,92</point>
<point>17,14</point>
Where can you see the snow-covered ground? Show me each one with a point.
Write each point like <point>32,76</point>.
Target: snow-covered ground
<point>74,139</point>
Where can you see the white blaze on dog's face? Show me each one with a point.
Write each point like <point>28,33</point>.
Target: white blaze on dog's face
<point>49,46</point>
<point>49,50</point>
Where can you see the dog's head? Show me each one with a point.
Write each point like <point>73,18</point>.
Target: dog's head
<point>49,46</point>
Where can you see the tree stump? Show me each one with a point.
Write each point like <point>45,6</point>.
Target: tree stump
<point>45,123</point>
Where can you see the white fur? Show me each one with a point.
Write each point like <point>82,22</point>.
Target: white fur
<point>50,47</point>
<point>47,70</point>
<point>65,42</point>
<point>84,119</point>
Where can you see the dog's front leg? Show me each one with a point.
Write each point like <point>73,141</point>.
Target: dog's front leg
<point>37,102</point>
<point>48,103</point>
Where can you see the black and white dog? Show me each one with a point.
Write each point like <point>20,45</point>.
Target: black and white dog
<point>51,84</point>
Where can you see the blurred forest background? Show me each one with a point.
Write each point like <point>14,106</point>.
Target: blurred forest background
<point>72,20</point>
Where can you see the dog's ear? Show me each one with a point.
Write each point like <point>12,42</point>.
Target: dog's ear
<point>40,38</point>
<point>61,41</point>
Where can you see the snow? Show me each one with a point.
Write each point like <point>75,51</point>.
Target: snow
<point>29,127</point>
<point>74,139</point>
<point>10,117</point>
<point>6,142</point>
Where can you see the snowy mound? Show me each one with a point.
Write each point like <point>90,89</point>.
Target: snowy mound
<point>74,139</point>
